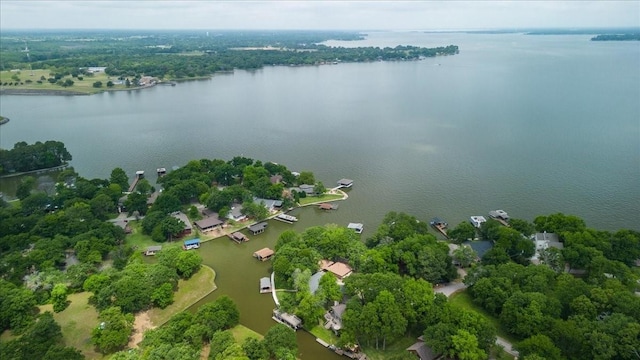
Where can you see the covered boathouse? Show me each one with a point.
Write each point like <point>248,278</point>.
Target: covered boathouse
<point>264,254</point>
<point>258,228</point>
<point>191,244</point>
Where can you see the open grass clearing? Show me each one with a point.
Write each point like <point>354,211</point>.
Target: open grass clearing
<point>83,86</point>
<point>463,299</point>
<point>319,199</point>
<point>77,321</point>
<point>241,333</point>
<point>189,292</point>
<point>324,334</point>
<point>397,348</point>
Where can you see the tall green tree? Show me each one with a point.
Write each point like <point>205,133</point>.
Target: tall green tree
<point>113,331</point>
<point>119,176</point>
<point>279,337</point>
<point>59,297</point>
<point>462,232</point>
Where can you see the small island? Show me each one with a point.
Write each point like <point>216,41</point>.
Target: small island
<point>3,120</point>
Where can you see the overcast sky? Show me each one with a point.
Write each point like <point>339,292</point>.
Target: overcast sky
<point>347,15</point>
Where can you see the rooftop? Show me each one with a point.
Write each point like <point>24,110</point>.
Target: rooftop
<point>258,227</point>
<point>209,222</point>
<point>192,241</point>
<point>340,269</point>
<point>182,217</point>
<point>264,252</point>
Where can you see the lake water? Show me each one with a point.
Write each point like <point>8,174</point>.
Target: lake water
<point>529,124</point>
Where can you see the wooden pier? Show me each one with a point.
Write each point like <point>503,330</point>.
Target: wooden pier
<point>440,226</point>
<point>139,175</point>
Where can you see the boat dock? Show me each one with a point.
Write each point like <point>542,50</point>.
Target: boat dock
<point>238,237</point>
<point>347,353</point>
<point>289,219</point>
<point>440,225</point>
<point>139,175</point>
<point>500,216</point>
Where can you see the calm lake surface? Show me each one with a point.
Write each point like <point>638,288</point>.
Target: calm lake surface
<point>529,124</point>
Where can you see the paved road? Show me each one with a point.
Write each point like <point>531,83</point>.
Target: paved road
<point>507,346</point>
<point>454,287</point>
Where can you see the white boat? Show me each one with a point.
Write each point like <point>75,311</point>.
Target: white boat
<point>287,218</point>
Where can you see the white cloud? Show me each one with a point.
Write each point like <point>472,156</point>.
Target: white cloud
<point>356,15</point>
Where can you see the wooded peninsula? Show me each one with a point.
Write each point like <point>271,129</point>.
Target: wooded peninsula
<point>573,298</point>
<point>79,60</point>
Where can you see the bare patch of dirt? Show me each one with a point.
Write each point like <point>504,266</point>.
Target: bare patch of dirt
<point>204,355</point>
<point>141,324</point>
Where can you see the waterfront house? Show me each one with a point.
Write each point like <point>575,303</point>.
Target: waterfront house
<point>209,223</point>
<point>191,244</point>
<point>477,221</point>
<point>265,285</point>
<point>264,254</point>
<point>258,228</point>
<point>187,224</point>
<point>235,213</point>
<point>152,250</point>
<point>339,269</point>
<point>333,317</point>
<point>345,183</point>
<point>270,204</point>
<point>308,189</point>
<point>545,240</point>
<point>276,179</point>
<point>422,351</point>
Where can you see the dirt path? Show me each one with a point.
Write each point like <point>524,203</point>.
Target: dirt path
<point>141,324</point>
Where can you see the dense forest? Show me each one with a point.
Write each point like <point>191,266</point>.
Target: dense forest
<point>576,302</point>
<point>177,55</point>
<point>25,157</point>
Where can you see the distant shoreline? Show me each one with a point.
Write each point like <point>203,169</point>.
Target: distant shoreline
<point>38,171</point>
<point>40,92</point>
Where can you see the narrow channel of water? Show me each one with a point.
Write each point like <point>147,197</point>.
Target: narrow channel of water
<point>238,274</point>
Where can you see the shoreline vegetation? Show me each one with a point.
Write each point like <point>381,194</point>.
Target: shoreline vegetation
<point>87,62</point>
<point>111,267</point>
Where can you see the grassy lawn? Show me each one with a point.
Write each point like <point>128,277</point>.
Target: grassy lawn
<point>241,333</point>
<point>398,348</point>
<point>137,238</point>
<point>463,300</point>
<point>189,292</point>
<point>315,199</point>
<point>82,86</point>
<point>77,321</point>
<point>325,334</point>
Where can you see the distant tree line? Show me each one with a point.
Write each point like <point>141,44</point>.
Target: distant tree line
<point>162,54</point>
<point>24,157</point>
<point>617,37</point>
